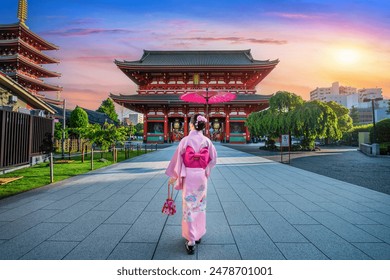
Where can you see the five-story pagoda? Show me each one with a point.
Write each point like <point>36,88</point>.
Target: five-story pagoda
<point>162,76</point>
<point>22,56</point>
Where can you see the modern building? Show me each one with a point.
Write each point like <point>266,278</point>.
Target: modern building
<point>162,76</point>
<point>365,111</point>
<point>136,118</point>
<point>346,96</point>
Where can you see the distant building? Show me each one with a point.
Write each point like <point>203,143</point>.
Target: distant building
<point>136,118</point>
<point>365,111</point>
<point>346,96</point>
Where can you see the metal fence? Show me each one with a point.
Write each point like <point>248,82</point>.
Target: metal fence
<point>21,137</point>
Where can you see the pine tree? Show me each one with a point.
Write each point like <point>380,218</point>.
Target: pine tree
<point>108,108</point>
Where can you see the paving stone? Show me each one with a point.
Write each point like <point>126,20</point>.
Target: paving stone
<point>73,212</point>
<point>128,213</point>
<point>218,252</point>
<point>292,214</point>
<point>254,244</point>
<point>113,203</point>
<point>82,227</point>
<point>313,194</point>
<point>351,205</point>
<point>378,206</point>
<point>171,245</point>
<point>301,251</point>
<point>302,203</point>
<point>330,244</point>
<point>3,224</point>
<point>144,195</point>
<point>157,202</point>
<point>16,201</point>
<point>346,214</point>
<point>269,195</point>
<point>237,213</point>
<point>21,225</point>
<point>147,228</point>
<point>103,194</point>
<point>227,194</point>
<point>213,203</point>
<point>278,229</point>
<point>18,212</point>
<point>66,202</point>
<point>217,229</point>
<point>133,251</point>
<point>343,228</point>
<point>255,203</point>
<point>379,231</point>
<point>99,244</point>
<point>131,188</point>
<point>378,217</point>
<point>377,251</point>
<point>22,244</point>
<point>50,250</point>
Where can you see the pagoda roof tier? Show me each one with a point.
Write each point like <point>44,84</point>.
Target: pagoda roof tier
<point>135,100</point>
<point>36,84</point>
<point>196,59</point>
<point>36,41</point>
<point>43,58</point>
<point>44,73</point>
<point>32,100</point>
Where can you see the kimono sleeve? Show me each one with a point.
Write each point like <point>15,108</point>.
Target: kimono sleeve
<point>175,167</point>
<point>213,159</point>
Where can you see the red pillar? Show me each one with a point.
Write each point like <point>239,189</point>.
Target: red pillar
<point>145,127</point>
<point>185,122</point>
<point>165,126</point>
<point>227,112</point>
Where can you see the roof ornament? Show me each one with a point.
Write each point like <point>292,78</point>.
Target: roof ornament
<point>22,11</point>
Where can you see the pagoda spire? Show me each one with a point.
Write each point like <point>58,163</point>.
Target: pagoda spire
<point>22,11</point>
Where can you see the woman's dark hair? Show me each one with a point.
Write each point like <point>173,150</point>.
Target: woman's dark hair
<point>199,125</point>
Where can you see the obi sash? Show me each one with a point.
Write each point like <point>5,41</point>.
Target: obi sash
<point>196,160</point>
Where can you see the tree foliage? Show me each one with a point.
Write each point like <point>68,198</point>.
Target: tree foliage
<point>284,102</point>
<point>313,120</point>
<point>108,135</point>
<point>78,121</point>
<point>108,108</point>
<point>382,131</point>
<point>345,122</point>
<point>354,114</point>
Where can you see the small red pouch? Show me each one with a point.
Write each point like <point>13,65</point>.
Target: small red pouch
<point>169,207</point>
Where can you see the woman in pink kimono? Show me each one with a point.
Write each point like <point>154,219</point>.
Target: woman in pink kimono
<point>190,168</point>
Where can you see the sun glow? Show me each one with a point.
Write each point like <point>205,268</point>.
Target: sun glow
<point>347,56</point>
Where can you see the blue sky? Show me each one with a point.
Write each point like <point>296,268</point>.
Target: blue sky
<point>317,42</point>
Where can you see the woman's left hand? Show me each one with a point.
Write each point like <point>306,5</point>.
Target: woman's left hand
<point>171,181</point>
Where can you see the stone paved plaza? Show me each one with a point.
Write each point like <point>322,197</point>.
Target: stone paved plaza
<point>257,209</point>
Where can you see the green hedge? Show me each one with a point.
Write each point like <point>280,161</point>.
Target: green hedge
<point>351,137</point>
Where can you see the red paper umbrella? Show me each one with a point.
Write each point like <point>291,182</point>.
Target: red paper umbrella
<point>208,97</point>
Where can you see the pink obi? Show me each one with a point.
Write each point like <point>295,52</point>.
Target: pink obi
<point>196,160</point>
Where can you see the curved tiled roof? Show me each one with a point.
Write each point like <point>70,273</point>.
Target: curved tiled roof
<point>197,58</point>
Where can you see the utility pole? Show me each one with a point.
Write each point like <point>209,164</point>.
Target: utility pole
<point>63,130</point>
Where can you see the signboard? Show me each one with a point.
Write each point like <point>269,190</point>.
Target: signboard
<point>284,140</point>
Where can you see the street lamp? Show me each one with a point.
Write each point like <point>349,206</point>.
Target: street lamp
<point>373,114</point>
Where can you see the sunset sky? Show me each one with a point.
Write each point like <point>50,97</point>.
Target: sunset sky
<point>317,42</point>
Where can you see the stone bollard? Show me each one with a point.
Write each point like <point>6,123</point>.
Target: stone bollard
<point>375,149</point>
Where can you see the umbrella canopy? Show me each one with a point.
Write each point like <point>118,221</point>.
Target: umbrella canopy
<point>208,97</point>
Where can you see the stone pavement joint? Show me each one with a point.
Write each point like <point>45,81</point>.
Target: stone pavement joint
<point>257,209</point>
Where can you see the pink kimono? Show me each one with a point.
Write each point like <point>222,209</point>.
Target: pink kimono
<point>191,165</point>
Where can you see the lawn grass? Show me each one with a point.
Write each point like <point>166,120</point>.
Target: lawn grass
<point>39,175</point>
